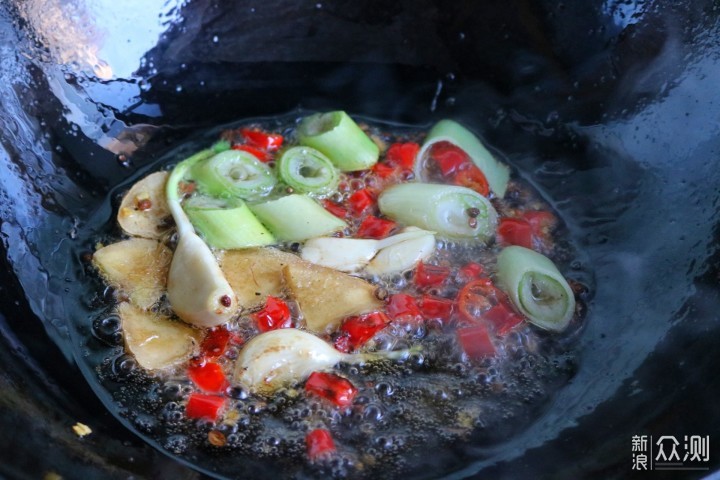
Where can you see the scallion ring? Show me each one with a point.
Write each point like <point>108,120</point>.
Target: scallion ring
<point>234,173</point>
<point>307,170</point>
<point>226,223</point>
<point>449,210</point>
<point>536,287</point>
<point>337,136</point>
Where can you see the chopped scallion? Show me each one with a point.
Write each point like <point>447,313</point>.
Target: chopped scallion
<point>536,287</point>
<point>337,136</point>
<point>449,210</point>
<point>295,218</point>
<point>307,170</point>
<point>234,173</point>
<point>226,224</point>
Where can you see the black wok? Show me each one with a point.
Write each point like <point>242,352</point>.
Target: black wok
<point>610,108</point>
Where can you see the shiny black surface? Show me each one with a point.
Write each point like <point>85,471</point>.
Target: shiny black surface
<point>610,108</point>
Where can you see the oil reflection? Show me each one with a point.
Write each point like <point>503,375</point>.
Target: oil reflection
<point>102,38</point>
<point>91,51</point>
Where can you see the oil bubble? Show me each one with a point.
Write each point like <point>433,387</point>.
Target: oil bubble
<point>108,330</point>
<point>123,367</point>
<point>176,443</point>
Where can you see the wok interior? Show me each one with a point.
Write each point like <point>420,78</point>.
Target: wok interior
<point>609,108</point>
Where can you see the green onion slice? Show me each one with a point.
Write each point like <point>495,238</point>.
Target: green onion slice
<point>171,189</point>
<point>496,173</point>
<point>226,224</point>
<point>296,218</point>
<point>307,170</point>
<point>536,287</point>
<point>234,173</point>
<point>337,136</point>
<point>449,210</point>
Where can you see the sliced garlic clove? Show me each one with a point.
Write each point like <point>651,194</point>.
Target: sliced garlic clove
<point>144,210</point>
<point>282,357</point>
<point>344,254</point>
<point>196,287</point>
<point>402,256</point>
<point>288,356</point>
<point>352,254</point>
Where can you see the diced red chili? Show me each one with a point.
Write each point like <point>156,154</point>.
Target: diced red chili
<point>374,227</point>
<point>402,155</point>
<point>515,231</point>
<point>319,443</point>
<point>208,376</point>
<point>449,158</point>
<point>383,170</point>
<point>475,298</point>
<point>436,308</point>
<point>471,271</point>
<point>402,305</point>
<point>261,155</point>
<point>275,314</point>
<point>427,276</point>
<point>342,344</point>
<point>200,405</point>
<point>215,342</point>
<point>331,387</point>
<point>267,141</point>
<point>361,201</point>
<point>503,318</point>
<point>360,329</point>
<point>541,221</point>
<point>473,178</point>
<point>335,209</point>
<point>475,341</point>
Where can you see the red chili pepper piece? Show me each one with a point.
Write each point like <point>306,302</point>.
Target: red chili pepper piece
<point>475,298</point>
<point>261,155</point>
<point>342,344</point>
<point>471,271</point>
<point>208,376</point>
<point>275,314</point>
<point>541,221</point>
<point>515,231</point>
<point>215,342</point>
<point>436,308</point>
<point>267,141</point>
<point>475,341</point>
<point>383,170</point>
<point>503,318</point>
<point>449,158</point>
<point>358,330</point>
<point>331,387</point>
<point>402,155</point>
<point>361,201</point>
<point>430,275</point>
<point>319,443</point>
<point>200,405</point>
<point>401,305</point>
<point>374,227</point>
<point>474,179</point>
<point>335,209</point>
